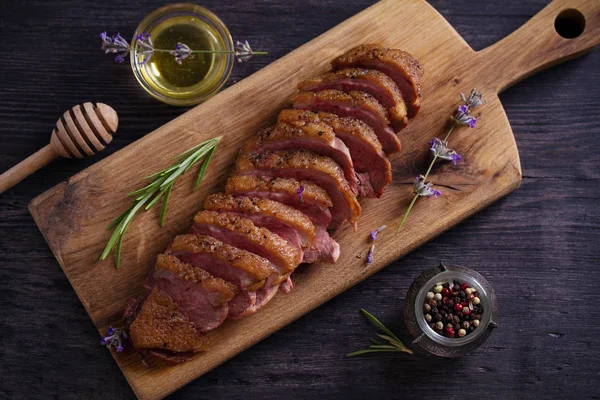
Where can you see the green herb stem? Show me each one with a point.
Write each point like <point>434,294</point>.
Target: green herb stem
<point>159,189</point>
<point>259,53</point>
<point>395,344</point>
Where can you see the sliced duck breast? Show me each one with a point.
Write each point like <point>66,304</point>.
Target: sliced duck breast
<point>399,65</point>
<point>160,327</point>
<point>372,166</point>
<point>276,217</point>
<point>201,297</point>
<point>312,200</point>
<point>370,81</point>
<point>241,232</point>
<point>306,165</point>
<point>320,139</point>
<point>244,269</point>
<point>355,104</point>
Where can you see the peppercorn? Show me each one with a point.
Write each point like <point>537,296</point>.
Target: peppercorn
<point>451,309</point>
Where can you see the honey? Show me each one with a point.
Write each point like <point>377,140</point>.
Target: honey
<point>200,75</point>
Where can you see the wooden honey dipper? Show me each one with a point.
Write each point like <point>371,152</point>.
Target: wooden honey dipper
<point>82,131</point>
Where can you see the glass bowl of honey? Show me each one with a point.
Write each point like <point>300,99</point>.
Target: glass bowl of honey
<point>201,75</point>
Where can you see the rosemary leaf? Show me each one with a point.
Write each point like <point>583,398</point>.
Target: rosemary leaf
<point>359,352</point>
<point>383,346</point>
<point>163,209</point>
<point>203,168</point>
<point>378,324</point>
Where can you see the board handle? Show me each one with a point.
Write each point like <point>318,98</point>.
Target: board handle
<point>563,30</point>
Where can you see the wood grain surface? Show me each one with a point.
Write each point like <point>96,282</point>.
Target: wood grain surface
<point>535,249</point>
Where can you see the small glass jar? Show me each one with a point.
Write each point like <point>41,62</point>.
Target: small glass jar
<point>199,76</point>
<point>429,339</point>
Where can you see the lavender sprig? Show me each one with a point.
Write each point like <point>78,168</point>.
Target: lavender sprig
<point>115,45</point>
<point>440,150</point>
<point>115,339</point>
<point>145,49</point>
<point>394,343</point>
<point>373,236</point>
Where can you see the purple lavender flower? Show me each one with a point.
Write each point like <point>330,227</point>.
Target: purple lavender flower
<point>370,254</point>
<point>440,149</point>
<point>146,47</point>
<point>374,233</point>
<point>115,45</point>
<point>471,122</point>
<point>424,189</point>
<point>181,52</point>
<point>243,51</point>
<point>463,109</point>
<point>300,192</point>
<point>115,339</point>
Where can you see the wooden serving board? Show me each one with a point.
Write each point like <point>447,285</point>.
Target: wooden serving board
<point>73,216</point>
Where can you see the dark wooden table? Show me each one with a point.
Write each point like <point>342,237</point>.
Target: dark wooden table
<point>538,247</point>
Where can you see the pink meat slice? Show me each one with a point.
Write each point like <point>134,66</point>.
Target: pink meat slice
<point>372,166</point>
<point>355,104</point>
<point>370,81</point>
<point>403,68</point>
<point>319,139</point>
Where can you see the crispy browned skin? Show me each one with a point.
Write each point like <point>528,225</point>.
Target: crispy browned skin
<point>161,325</point>
<point>365,148</point>
<point>217,286</point>
<point>286,255</point>
<point>257,267</point>
<point>346,208</point>
<point>319,138</point>
<point>387,60</point>
<point>283,132</point>
<point>312,193</point>
<point>358,127</point>
<point>361,99</point>
<point>355,104</point>
<point>252,205</point>
<point>374,82</point>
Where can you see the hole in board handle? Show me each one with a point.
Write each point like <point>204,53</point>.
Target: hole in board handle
<point>570,23</point>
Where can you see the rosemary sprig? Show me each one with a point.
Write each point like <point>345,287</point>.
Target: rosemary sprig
<point>159,188</point>
<point>394,343</point>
